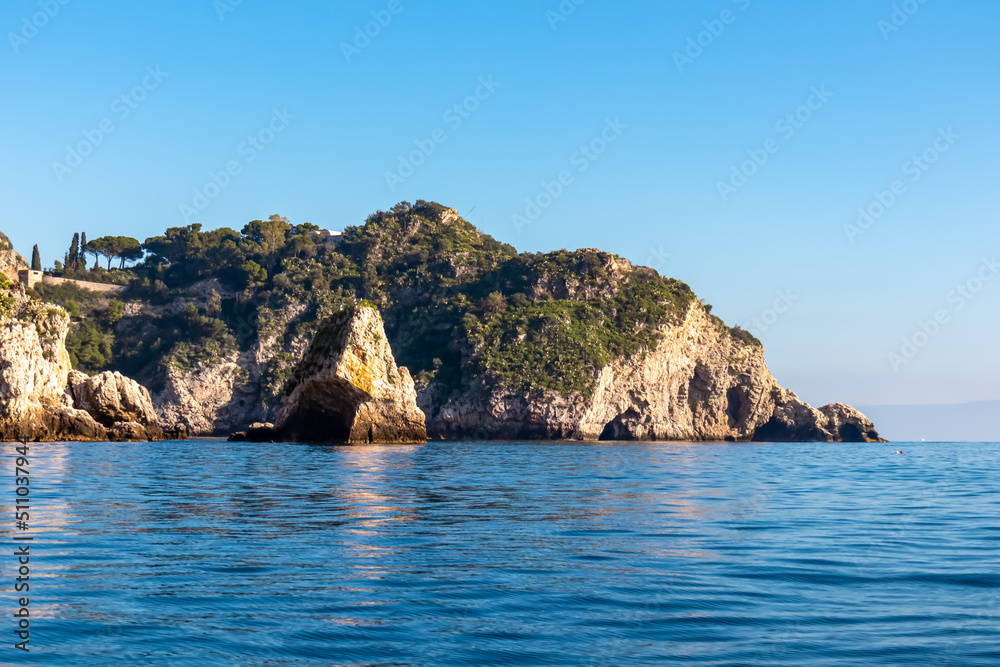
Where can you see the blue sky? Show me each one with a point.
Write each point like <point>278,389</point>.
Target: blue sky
<point>872,87</point>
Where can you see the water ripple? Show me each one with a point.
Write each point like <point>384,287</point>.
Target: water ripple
<point>209,553</point>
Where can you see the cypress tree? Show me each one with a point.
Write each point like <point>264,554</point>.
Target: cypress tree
<point>74,253</point>
<point>36,259</point>
<point>82,257</point>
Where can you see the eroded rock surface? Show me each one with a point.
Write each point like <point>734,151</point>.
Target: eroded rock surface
<point>348,387</point>
<point>117,403</point>
<point>700,383</point>
<point>41,399</point>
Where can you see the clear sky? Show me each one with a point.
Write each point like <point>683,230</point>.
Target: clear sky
<point>116,115</point>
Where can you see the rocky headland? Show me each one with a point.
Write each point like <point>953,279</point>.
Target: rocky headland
<point>274,332</point>
<point>700,382</point>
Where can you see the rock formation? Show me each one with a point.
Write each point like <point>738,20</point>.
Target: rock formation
<point>225,395</point>
<point>119,404</point>
<point>205,399</point>
<point>700,383</point>
<point>41,399</point>
<point>348,388</point>
<point>10,261</point>
<point>792,420</point>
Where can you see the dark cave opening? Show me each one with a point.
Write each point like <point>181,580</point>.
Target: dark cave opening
<point>314,423</point>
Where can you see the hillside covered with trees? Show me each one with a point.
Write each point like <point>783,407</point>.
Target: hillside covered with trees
<point>457,303</point>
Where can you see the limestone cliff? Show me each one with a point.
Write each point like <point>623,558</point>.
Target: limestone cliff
<point>226,394</point>
<point>10,261</point>
<point>41,399</point>
<point>348,387</point>
<point>208,398</point>
<point>700,383</point>
<point>120,404</point>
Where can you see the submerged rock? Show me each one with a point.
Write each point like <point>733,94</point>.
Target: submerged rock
<point>257,432</point>
<point>348,388</point>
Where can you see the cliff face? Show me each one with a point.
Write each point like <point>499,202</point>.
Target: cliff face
<point>41,399</point>
<point>700,383</point>
<point>10,261</point>
<point>205,399</point>
<point>227,394</point>
<point>348,388</point>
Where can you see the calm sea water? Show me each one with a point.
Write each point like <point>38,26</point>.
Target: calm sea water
<point>210,553</point>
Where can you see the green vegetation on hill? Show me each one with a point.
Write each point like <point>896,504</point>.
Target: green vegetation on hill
<point>456,303</point>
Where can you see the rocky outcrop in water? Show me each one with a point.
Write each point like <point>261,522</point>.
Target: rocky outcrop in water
<point>795,421</point>
<point>41,399</point>
<point>348,387</point>
<point>120,404</point>
<point>700,383</point>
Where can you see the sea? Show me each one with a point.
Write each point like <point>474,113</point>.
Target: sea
<point>502,553</point>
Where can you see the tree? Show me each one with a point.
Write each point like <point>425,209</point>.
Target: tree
<point>269,234</point>
<point>129,249</point>
<point>177,244</point>
<point>73,258</point>
<point>36,259</point>
<point>124,248</point>
<point>80,255</point>
<point>214,303</point>
<point>254,275</point>
<point>116,310</point>
<point>92,248</point>
<point>493,303</point>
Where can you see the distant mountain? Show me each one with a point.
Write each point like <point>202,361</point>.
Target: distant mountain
<point>969,422</point>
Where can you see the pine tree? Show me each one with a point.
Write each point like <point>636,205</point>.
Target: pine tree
<point>36,259</point>
<point>73,259</point>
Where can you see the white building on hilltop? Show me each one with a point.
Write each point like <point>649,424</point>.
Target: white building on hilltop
<point>329,236</point>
